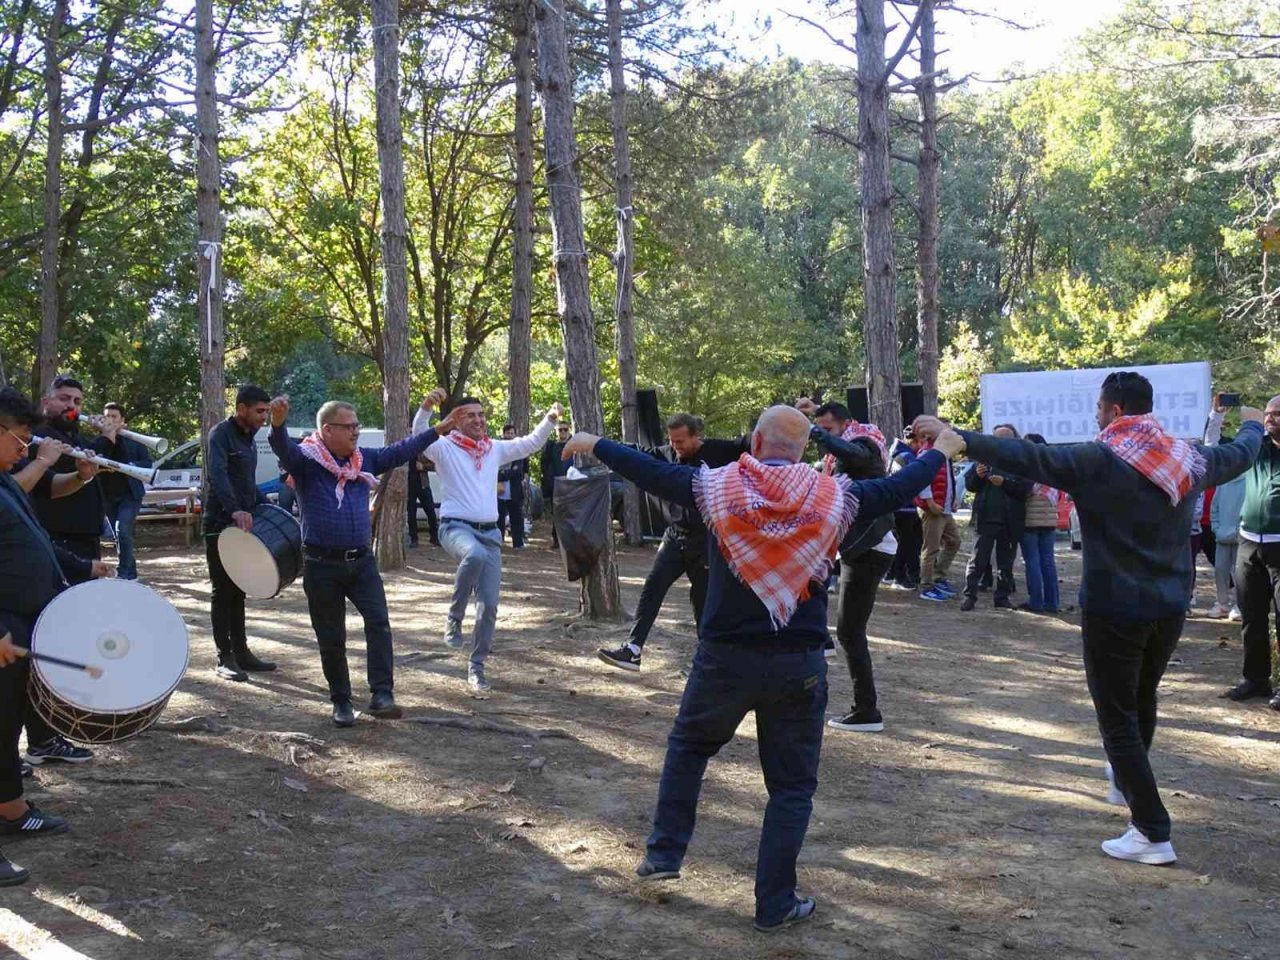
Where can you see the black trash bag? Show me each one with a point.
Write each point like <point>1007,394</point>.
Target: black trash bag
<point>581,514</point>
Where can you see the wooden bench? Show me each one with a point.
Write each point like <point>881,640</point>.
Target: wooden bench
<point>188,517</point>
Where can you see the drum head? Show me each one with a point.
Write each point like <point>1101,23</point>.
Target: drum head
<point>133,634</point>
<point>249,563</point>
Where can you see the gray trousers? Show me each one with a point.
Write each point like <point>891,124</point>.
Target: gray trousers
<point>1224,565</point>
<point>479,556</point>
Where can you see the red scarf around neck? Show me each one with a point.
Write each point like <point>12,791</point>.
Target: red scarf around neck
<point>478,449</point>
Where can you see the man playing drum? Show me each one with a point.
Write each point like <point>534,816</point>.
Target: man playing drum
<point>334,478</point>
<point>30,576</point>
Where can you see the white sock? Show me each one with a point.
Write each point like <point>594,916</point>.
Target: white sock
<point>634,649</point>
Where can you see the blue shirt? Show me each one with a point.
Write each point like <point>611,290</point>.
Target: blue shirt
<point>732,612</point>
<point>324,523</point>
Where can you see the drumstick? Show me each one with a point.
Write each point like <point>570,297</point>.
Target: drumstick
<point>91,670</point>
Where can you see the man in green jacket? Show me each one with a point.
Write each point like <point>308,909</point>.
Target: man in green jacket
<point>1258,562</point>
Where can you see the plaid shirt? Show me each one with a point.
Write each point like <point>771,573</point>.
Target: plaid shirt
<point>1137,561</point>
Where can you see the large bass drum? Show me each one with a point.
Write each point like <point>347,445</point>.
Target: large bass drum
<point>266,559</point>
<point>134,635</point>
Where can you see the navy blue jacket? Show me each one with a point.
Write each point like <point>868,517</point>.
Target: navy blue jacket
<point>1137,555</point>
<point>733,614</point>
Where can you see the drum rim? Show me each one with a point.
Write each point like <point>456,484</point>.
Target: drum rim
<point>37,671</point>
<point>236,534</point>
<point>283,521</point>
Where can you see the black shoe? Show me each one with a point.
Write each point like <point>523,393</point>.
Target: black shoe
<point>31,823</point>
<point>435,541</point>
<point>647,871</point>
<point>413,544</point>
<point>622,658</point>
<point>1003,605</point>
<point>803,910</point>
<point>57,750</point>
<point>1248,690</point>
<point>248,662</point>
<point>10,873</point>
<point>383,706</point>
<point>1274,702</point>
<point>27,769</point>
<point>343,714</point>
<point>968,604</point>
<point>858,721</point>
<point>228,669</point>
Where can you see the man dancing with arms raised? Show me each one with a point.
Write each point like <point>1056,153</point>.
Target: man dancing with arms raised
<point>467,461</point>
<point>774,526</point>
<point>334,477</point>
<point>1135,489</point>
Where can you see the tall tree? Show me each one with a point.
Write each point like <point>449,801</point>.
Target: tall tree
<point>927,210</point>
<point>519,335</point>
<point>209,225</point>
<point>395,283</point>
<point>624,259</point>
<point>47,353</point>
<point>573,293</point>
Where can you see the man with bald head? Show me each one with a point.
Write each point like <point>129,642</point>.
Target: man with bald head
<point>1257,571</point>
<point>774,525</point>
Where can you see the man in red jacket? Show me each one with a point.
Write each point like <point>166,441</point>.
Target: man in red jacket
<point>937,503</point>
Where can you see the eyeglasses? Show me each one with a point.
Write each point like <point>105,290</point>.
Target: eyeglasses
<point>25,444</point>
<point>349,427</point>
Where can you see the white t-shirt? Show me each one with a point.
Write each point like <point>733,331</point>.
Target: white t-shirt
<point>468,493</point>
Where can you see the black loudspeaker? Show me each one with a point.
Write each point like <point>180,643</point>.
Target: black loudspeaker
<point>912,402</point>
<point>650,420</point>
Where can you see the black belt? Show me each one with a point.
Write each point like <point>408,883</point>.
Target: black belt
<point>334,553</point>
<point>470,523</point>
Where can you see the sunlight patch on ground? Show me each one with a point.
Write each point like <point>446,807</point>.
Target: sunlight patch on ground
<point>32,942</point>
<point>84,912</point>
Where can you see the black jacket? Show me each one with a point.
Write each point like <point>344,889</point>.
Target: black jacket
<point>124,450</point>
<point>858,460</point>
<point>552,467</point>
<point>230,475</point>
<point>684,522</point>
<point>998,509</point>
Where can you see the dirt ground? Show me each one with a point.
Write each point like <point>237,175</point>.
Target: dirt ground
<point>508,828</point>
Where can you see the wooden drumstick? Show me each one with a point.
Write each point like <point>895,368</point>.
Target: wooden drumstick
<point>95,672</point>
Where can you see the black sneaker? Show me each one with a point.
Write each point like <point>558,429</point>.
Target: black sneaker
<point>647,871</point>
<point>858,721</point>
<point>10,873</point>
<point>246,661</point>
<point>1003,605</point>
<point>803,910</point>
<point>343,714</point>
<point>57,750</point>
<point>968,604</point>
<point>1247,690</point>
<point>31,823</point>
<point>26,769</point>
<point>1274,702</point>
<point>829,649</point>
<point>623,658</point>
<point>228,669</point>
<point>383,706</point>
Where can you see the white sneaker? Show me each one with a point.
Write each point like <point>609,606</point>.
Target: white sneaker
<point>476,683</point>
<point>1216,612</point>
<point>1235,615</point>
<point>1114,796</point>
<point>1134,846</point>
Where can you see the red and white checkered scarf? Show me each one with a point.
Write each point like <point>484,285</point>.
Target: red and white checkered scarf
<point>777,526</point>
<point>1171,464</point>
<point>478,449</point>
<point>1050,494</point>
<point>855,431</point>
<point>313,448</point>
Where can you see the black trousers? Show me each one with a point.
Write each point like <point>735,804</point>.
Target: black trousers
<point>14,708</point>
<point>675,556</point>
<point>1006,552</point>
<point>512,510</point>
<point>84,546</point>
<point>420,495</point>
<point>859,580</point>
<point>329,584</point>
<point>909,532</point>
<point>226,604</point>
<point>1124,661</point>
<point>1258,596</point>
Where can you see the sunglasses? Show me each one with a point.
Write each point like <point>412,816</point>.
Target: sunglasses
<point>65,380</point>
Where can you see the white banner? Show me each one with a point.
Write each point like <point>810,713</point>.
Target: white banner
<point>1060,405</point>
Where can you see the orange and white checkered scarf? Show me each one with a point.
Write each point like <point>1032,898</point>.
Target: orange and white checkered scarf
<point>777,526</point>
<point>313,448</point>
<point>855,431</point>
<point>478,449</point>
<point>1171,464</point>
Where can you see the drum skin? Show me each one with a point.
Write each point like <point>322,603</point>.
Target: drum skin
<point>266,559</point>
<point>134,635</point>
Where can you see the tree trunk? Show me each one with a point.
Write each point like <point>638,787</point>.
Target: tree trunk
<point>208,228</point>
<point>624,332</point>
<point>879,272</point>
<point>573,295</point>
<point>520,332</point>
<point>927,248</point>
<point>395,282</point>
<point>47,351</point>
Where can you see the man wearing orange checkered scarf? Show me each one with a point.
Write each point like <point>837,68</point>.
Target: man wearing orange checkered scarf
<point>774,525</point>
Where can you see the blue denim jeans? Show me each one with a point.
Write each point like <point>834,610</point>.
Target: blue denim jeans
<point>1042,568</point>
<point>122,514</point>
<point>787,690</point>
<point>479,556</point>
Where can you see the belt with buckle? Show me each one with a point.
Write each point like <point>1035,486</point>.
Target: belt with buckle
<point>482,527</point>
<point>331,553</point>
